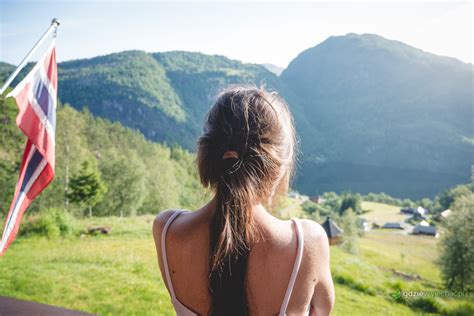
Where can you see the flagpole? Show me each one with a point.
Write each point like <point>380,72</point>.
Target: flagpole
<point>54,25</point>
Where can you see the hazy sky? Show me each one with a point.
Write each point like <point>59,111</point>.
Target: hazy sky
<point>273,32</point>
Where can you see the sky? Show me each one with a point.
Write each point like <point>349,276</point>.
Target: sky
<point>264,32</point>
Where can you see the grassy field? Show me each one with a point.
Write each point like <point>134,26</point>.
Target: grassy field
<point>117,274</point>
<point>289,208</point>
<point>380,213</point>
<point>109,275</point>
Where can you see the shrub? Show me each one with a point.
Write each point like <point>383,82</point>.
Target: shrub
<point>460,310</point>
<point>309,207</point>
<point>350,201</point>
<point>351,283</point>
<point>425,304</point>
<point>332,203</point>
<point>51,223</point>
<point>396,285</point>
<point>350,235</point>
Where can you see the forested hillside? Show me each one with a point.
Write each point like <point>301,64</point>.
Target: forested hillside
<point>164,95</point>
<point>373,115</point>
<point>139,176</point>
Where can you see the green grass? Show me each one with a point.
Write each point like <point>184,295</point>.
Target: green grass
<point>364,282</point>
<point>290,207</point>
<point>108,275</point>
<point>117,274</point>
<point>380,213</point>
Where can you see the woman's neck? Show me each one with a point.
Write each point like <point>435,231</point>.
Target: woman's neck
<point>259,213</point>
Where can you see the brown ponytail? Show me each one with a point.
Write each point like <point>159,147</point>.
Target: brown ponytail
<point>256,127</point>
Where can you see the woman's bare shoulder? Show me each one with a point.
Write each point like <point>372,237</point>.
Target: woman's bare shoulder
<point>313,231</point>
<point>160,221</point>
<point>315,240</point>
<point>162,218</point>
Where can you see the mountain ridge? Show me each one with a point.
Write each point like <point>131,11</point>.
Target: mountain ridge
<point>349,88</point>
<point>339,91</point>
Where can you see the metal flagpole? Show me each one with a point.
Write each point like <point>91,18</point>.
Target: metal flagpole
<point>54,25</point>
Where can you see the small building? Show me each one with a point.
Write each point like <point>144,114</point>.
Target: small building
<point>333,231</point>
<point>392,225</point>
<point>294,195</point>
<point>445,213</point>
<point>419,214</point>
<point>318,199</point>
<point>422,211</point>
<point>424,223</point>
<point>407,210</point>
<point>425,230</point>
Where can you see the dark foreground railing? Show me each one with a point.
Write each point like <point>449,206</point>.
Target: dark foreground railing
<point>13,307</point>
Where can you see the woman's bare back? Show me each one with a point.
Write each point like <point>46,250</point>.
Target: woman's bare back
<point>270,263</point>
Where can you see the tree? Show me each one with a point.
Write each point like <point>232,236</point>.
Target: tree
<point>167,177</point>
<point>353,201</point>
<point>309,207</point>
<point>331,201</point>
<point>426,203</point>
<point>12,143</point>
<point>351,234</point>
<point>126,175</point>
<point>457,246</point>
<point>448,197</point>
<point>187,174</point>
<point>86,188</point>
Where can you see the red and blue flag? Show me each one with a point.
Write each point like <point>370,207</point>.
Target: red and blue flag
<point>36,98</point>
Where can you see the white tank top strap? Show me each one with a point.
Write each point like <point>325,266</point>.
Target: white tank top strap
<point>163,251</point>
<point>296,266</point>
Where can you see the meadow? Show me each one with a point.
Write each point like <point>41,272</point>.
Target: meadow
<point>117,274</point>
<point>381,213</point>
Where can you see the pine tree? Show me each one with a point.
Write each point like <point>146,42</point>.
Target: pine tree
<point>86,188</point>
<point>353,201</point>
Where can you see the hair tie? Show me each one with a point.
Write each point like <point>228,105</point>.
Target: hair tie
<point>230,154</point>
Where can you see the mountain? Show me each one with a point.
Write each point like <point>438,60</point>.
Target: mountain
<point>5,70</point>
<point>164,95</point>
<point>373,115</point>
<point>275,69</point>
<point>382,116</point>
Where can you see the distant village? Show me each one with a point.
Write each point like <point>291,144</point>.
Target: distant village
<point>417,221</point>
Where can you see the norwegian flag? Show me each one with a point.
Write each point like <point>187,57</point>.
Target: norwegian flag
<point>36,98</point>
